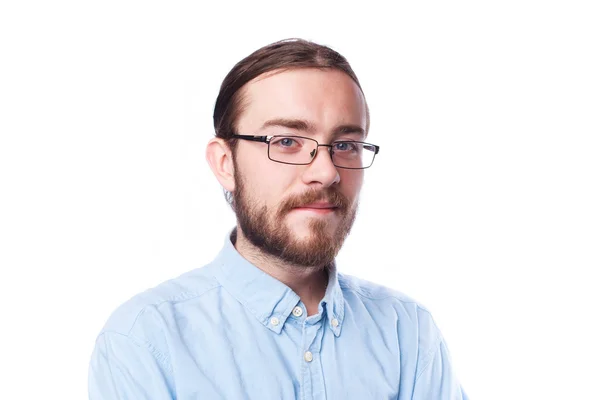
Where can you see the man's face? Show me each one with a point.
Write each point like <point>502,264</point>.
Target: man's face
<point>298,213</point>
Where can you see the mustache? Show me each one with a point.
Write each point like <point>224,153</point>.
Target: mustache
<point>329,195</point>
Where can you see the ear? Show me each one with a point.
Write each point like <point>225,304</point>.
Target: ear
<point>220,160</point>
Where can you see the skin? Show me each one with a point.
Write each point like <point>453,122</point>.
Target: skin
<point>327,100</point>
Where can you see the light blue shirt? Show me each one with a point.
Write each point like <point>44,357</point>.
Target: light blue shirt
<point>230,331</point>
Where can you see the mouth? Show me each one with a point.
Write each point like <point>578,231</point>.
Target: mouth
<point>319,208</point>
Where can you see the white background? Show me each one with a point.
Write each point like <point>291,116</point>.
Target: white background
<point>483,203</point>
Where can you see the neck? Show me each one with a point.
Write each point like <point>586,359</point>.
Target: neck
<point>309,283</point>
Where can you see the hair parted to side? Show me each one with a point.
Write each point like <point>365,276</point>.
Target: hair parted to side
<point>281,55</point>
<point>284,54</point>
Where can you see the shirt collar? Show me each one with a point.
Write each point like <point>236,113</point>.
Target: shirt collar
<point>268,298</point>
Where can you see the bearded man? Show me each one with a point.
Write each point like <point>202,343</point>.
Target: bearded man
<point>272,317</point>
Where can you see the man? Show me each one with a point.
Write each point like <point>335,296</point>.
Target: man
<point>272,317</point>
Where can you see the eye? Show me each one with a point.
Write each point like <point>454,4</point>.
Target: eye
<point>286,142</point>
<point>345,146</point>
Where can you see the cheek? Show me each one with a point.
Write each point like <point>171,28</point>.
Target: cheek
<point>278,184</point>
<point>351,183</point>
<point>267,183</point>
<point>254,166</point>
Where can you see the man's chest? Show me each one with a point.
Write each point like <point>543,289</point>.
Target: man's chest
<point>243,360</point>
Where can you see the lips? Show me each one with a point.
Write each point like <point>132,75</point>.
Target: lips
<point>319,206</point>
<point>329,201</point>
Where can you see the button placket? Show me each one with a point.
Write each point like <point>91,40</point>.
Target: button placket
<point>312,372</point>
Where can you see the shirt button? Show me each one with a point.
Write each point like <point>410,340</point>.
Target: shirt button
<point>297,311</point>
<point>274,321</point>
<point>308,356</point>
<point>335,323</point>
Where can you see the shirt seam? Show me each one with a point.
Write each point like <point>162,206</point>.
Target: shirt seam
<point>170,300</point>
<point>112,378</point>
<point>429,359</point>
<point>183,300</point>
<point>430,356</point>
<point>360,293</point>
<point>156,354</point>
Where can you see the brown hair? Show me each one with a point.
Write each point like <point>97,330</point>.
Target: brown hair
<point>284,54</point>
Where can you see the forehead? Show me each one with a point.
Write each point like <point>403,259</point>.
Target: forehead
<point>326,98</point>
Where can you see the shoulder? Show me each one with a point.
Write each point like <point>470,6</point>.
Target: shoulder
<point>148,305</point>
<point>374,292</point>
<point>407,310</point>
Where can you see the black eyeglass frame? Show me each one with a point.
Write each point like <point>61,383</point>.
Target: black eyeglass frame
<point>267,140</point>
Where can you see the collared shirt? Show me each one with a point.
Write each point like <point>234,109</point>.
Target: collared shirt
<point>228,330</point>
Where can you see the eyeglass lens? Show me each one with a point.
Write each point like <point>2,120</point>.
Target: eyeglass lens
<point>299,150</point>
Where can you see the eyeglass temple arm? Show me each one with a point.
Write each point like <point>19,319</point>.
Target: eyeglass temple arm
<point>253,138</point>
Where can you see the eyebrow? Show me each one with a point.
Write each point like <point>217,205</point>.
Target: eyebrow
<point>309,127</point>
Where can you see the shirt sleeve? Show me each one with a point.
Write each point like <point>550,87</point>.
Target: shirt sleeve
<point>436,380</point>
<point>121,368</point>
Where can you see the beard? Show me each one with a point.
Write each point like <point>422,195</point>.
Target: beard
<point>265,228</point>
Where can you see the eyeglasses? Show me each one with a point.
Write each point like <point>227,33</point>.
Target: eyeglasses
<point>299,150</point>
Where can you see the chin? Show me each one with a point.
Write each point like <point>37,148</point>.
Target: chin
<point>301,233</point>
<point>304,230</point>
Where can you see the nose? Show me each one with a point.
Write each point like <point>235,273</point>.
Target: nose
<point>321,170</point>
